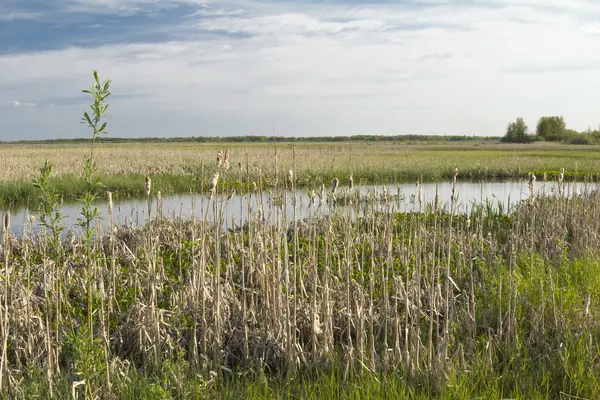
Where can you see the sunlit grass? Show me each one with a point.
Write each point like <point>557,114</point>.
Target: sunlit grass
<point>177,168</point>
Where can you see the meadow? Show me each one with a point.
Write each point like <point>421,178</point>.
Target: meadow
<point>182,167</point>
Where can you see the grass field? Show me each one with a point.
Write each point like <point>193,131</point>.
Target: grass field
<point>178,168</point>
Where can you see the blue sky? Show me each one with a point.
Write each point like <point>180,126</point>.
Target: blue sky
<point>333,67</point>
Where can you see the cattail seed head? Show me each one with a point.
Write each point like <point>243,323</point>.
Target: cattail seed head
<point>159,202</point>
<point>254,187</point>
<point>351,182</point>
<point>32,219</point>
<point>110,202</point>
<point>322,196</point>
<point>437,198</point>
<point>532,184</point>
<point>313,197</point>
<point>226,161</point>
<point>213,184</point>
<point>334,185</point>
<point>561,176</point>
<point>219,158</point>
<point>291,176</point>
<point>240,165</point>
<point>532,177</point>
<point>148,185</point>
<point>6,222</point>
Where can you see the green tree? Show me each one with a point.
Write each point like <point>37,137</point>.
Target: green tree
<point>516,132</point>
<point>551,128</point>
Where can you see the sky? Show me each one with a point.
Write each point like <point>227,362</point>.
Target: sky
<point>298,67</point>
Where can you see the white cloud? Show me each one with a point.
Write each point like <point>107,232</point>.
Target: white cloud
<point>329,69</point>
<point>13,16</point>
<point>17,103</point>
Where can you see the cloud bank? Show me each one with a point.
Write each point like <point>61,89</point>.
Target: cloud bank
<point>335,67</point>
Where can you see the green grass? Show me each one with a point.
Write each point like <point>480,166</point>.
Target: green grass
<point>176,168</point>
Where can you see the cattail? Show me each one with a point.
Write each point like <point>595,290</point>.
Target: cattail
<point>334,185</point>
<point>385,194</point>
<point>531,184</point>
<point>213,184</point>
<point>313,197</point>
<point>291,176</point>
<point>545,178</point>
<point>350,182</point>
<point>7,222</point>
<point>453,196</point>
<point>240,165</point>
<point>254,187</point>
<point>32,219</point>
<point>219,158</point>
<point>159,202</point>
<point>437,198</point>
<point>110,202</point>
<point>226,161</point>
<point>322,196</point>
<point>561,176</point>
<point>148,185</point>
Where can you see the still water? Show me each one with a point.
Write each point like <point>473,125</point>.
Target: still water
<point>402,197</point>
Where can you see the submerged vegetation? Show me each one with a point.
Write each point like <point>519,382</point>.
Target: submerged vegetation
<point>358,300</point>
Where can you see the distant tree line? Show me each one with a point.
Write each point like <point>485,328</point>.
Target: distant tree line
<point>267,139</point>
<point>550,129</point>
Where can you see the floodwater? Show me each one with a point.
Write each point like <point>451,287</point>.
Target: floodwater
<point>402,197</point>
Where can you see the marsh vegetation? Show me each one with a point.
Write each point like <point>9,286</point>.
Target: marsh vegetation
<point>492,303</point>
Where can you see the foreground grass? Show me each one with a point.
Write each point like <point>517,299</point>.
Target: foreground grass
<point>177,382</point>
<point>181,168</point>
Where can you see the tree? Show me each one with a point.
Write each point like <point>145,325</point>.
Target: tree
<point>551,128</point>
<point>516,132</point>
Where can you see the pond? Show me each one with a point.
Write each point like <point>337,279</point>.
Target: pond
<point>401,198</point>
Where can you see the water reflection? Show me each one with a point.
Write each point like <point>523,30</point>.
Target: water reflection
<point>404,197</point>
